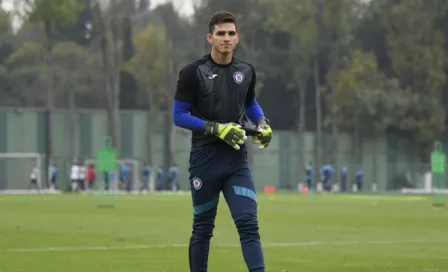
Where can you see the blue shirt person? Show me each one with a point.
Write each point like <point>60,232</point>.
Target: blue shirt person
<point>146,176</point>
<point>160,176</point>
<point>358,179</point>
<point>344,175</point>
<point>326,173</point>
<point>108,177</point>
<point>173,173</point>
<point>309,176</point>
<point>53,170</point>
<point>125,173</point>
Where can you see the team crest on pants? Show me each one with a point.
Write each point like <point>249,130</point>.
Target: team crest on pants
<point>197,183</point>
<point>238,77</point>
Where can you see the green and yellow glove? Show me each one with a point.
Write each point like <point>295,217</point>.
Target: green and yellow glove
<point>265,136</point>
<point>230,133</point>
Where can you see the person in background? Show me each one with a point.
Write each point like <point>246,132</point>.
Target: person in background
<point>173,174</point>
<point>125,173</point>
<point>146,176</point>
<point>107,179</point>
<point>34,178</point>
<point>309,177</point>
<point>160,177</point>
<point>358,179</point>
<point>52,174</point>
<point>82,177</point>
<point>91,176</point>
<point>344,175</point>
<point>74,175</point>
<point>326,174</point>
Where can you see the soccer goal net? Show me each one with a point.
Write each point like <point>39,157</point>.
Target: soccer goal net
<point>16,170</point>
<point>134,178</point>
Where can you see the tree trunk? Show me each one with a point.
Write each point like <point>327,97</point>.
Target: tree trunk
<point>152,119</point>
<point>172,141</point>
<point>72,124</point>
<point>302,112</point>
<point>356,158</point>
<point>116,110</point>
<point>334,126</point>
<point>50,100</point>
<point>334,79</point>
<point>317,90</point>
<point>169,79</point>
<point>169,127</point>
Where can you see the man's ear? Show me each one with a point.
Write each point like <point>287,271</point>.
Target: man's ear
<point>209,38</point>
<point>237,37</point>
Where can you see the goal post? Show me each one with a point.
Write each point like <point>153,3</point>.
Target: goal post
<point>16,167</point>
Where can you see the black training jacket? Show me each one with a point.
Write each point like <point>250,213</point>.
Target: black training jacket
<point>216,92</point>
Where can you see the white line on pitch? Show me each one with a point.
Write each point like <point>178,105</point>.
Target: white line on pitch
<point>265,245</point>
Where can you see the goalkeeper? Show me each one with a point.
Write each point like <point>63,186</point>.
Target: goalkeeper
<point>214,96</point>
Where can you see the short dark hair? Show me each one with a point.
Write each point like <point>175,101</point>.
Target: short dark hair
<point>221,17</point>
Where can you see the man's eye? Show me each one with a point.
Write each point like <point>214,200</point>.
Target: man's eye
<point>222,33</point>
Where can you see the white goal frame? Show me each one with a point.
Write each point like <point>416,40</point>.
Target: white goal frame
<point>19,155</point>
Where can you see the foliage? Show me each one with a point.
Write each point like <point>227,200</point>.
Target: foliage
<point>58,13</point>
<point>148,65</point>
<point>382,64</point>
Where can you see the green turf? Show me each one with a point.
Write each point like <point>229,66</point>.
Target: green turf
<point>301,233</point>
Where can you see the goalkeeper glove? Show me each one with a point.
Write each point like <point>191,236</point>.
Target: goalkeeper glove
<point>265,136</point>
<point>230,133</point>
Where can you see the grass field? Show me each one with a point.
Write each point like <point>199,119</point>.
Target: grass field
<point>54,233</point>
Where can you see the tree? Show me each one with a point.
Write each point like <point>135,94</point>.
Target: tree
<point>339,19</point>
<point>5,51</point>
<point>416,49</point>
<point>173,59</point>
<point>52,14</point>
<point>356,98</point>
<point>110,21</point>
<point>24,71</point>
<point>297,18</point>
<point>71,70</point>
<point>148,67</point>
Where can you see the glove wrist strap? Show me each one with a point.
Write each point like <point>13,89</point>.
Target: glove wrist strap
<point>211,128</point>
<point>263,121</point>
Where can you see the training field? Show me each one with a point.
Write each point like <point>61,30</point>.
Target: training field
<point>54,233</point>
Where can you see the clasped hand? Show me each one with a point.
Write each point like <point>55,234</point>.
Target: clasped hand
<point>235,136</point>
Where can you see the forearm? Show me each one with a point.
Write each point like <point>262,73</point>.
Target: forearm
<point>182,118</point>
<point>254,112</point>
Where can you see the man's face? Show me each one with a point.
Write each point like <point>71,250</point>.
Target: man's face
<point>224,38</point>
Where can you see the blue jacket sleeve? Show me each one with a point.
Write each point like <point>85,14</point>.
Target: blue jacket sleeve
<point>253,109</point>
<point>183,118</point>
<point>183,99</point>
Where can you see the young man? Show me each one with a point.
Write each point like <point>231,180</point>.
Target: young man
<point>358,180</point>
<point>74,176</point>
<point>34,178</point>
<point>53,171</point>
<point>173,174</point>
<point>214,96</point>
<point>326,175</point>
<point>309,177</point>
<point>146,176</point>
<point>91,177</point>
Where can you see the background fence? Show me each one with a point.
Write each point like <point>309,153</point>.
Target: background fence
<point>384,159</point>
